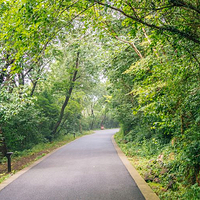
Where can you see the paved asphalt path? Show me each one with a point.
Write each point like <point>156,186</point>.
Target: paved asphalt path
<point>86,169</point>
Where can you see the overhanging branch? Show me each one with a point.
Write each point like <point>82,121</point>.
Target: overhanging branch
<point>171,29</point>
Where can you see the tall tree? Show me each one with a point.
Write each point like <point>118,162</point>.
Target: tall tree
<point>69,92</point>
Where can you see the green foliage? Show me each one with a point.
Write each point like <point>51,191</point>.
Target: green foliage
<point>22,130</point>
<point>12,103</point>
<point>139,66</point>
<point>158,165</point>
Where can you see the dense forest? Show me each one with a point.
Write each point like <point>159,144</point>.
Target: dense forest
<point>72,65</point>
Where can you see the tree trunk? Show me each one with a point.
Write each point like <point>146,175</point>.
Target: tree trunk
<point>67,96</point>
<point>102,121</point>
<point>34,86</point>
<point>80,127</point>
<point>39,72</point>
<point>93,117</point>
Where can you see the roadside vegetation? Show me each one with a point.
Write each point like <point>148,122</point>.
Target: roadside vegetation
<point>159,165</point>
<point>22,159</point>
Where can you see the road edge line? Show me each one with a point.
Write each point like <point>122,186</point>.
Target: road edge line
<point>147,192</point>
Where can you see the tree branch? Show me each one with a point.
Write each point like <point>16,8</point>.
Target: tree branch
<point>127,42</point>
<point>180,3</point>
<point>171,29</point>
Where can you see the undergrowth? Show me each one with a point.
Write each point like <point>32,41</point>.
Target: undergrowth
<point>160,166</point>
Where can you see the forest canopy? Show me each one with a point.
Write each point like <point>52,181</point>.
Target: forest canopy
<point>73,65</point>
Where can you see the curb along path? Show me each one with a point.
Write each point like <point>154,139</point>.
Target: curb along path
<point>147,192</point>
<point>88,168</point>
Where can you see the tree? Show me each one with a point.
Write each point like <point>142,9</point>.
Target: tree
<point>71,86</point>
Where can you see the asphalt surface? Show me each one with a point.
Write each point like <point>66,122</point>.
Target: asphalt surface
<point>87,169</point>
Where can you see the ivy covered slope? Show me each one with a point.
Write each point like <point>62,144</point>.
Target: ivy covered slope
<point>68,66</point>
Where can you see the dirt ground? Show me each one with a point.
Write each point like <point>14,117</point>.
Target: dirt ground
<point>20,163</point>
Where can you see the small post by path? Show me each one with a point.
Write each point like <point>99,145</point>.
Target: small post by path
<point>74,134</point>
<point>8,155</point>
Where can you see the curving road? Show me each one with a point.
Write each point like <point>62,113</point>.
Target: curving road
<point>87,169</point>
